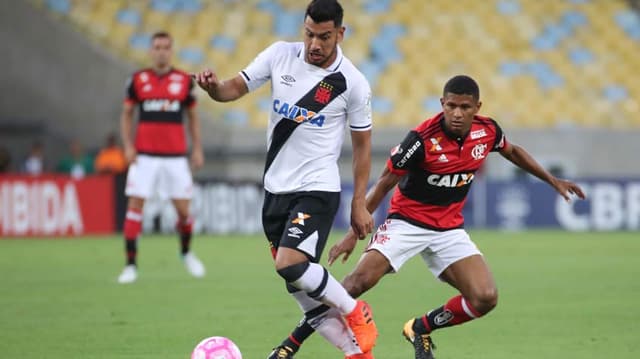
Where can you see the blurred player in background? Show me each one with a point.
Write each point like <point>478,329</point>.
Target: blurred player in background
<point>316,93</point>
<point>157,159</point>
<point>434,167</point>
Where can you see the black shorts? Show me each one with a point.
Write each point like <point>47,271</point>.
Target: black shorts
<point>300,220</point>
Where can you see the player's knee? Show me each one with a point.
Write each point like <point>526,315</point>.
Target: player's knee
<point>485,300</point>
<point>358,282</point>
<point>293,272</point>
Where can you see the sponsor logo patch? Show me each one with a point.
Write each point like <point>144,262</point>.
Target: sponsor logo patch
<point>300,219</point>
<point>477,134</point>
<point>435,144</point>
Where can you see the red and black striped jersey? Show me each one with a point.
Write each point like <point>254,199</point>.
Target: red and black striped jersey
<point>161,101</point>
<point>437,170</point>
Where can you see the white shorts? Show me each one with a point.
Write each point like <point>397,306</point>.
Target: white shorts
<point>399,241</point>
<point>168,177</point>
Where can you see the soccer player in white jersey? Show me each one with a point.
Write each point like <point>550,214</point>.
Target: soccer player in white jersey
<point>316,93</point>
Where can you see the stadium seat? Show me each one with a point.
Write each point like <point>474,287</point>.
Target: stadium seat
<point>526,53</point>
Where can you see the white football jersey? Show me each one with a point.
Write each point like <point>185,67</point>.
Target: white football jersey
<point>310,110</point>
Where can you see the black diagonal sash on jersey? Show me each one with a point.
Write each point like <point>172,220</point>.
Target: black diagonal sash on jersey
<point>284,128</point>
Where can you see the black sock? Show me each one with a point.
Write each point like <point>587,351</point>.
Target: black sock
<point>432,324</point>
<point>131,246</point>
<point>185,242</point>
<point>299,335</point>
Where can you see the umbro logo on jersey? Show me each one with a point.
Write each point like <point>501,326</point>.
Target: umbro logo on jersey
<point>443,158</point>
<point>450,180</point>
<point>301,218</point>
<point>287,80</point>
<point>435,144</point>
<point>295,232</point>
<point>296,113</point>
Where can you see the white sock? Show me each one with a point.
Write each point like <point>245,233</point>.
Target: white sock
<point>333,328</point>
<point>321,285</point>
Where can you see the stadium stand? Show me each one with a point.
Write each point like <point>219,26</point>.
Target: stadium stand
<point>541,64</point>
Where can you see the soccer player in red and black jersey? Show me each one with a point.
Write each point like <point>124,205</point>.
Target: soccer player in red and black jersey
<point>162,96</point>
<point>433,169</point>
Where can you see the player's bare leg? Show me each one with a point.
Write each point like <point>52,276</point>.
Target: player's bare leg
<point>478,296</point>
<point>185,229</point>
<point>132,228</point>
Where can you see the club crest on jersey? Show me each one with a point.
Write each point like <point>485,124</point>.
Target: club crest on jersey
<point>174,88</point>
<point>478,151</point>
<point>323,93</point>
<point>435,144</point>
<point>301,218</point>
<point>450,180</point>
<point>297,114</point>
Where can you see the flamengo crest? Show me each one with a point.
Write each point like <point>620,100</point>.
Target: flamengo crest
<point>478,151</point>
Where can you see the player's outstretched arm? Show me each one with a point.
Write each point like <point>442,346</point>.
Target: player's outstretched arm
<point>386,182</point>
<point>361,219</point>
<point>221,91</point>
<point>521,158</point>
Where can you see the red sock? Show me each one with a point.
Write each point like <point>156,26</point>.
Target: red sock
<point>132,229</point>
<point>456,311</point>
<point>461,309</point>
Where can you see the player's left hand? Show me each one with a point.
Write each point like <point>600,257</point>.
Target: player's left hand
<point>361,221</point>
<point>565,188</point>
<point>343,248</point>
<point>197,159</point>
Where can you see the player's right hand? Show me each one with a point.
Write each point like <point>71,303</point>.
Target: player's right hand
<point>343,248</point>
<point>130,154</point>
<point>207,80</point>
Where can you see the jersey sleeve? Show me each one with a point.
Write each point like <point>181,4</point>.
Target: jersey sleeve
<point>259,70</point>
<point>131,97</point>
<point>408,154</point>
<point>500,140</point>
<point>190,100</point>
<point>359,107</point>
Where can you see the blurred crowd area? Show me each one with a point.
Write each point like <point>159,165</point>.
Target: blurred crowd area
<point>540,63</point>
<point>76,160</point>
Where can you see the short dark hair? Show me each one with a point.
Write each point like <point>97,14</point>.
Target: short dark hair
<point>462,85</point>
<point>325,10</point>
<point>160,35</point>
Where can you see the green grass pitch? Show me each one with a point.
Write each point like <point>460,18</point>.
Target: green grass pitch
<point>562,295</point>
